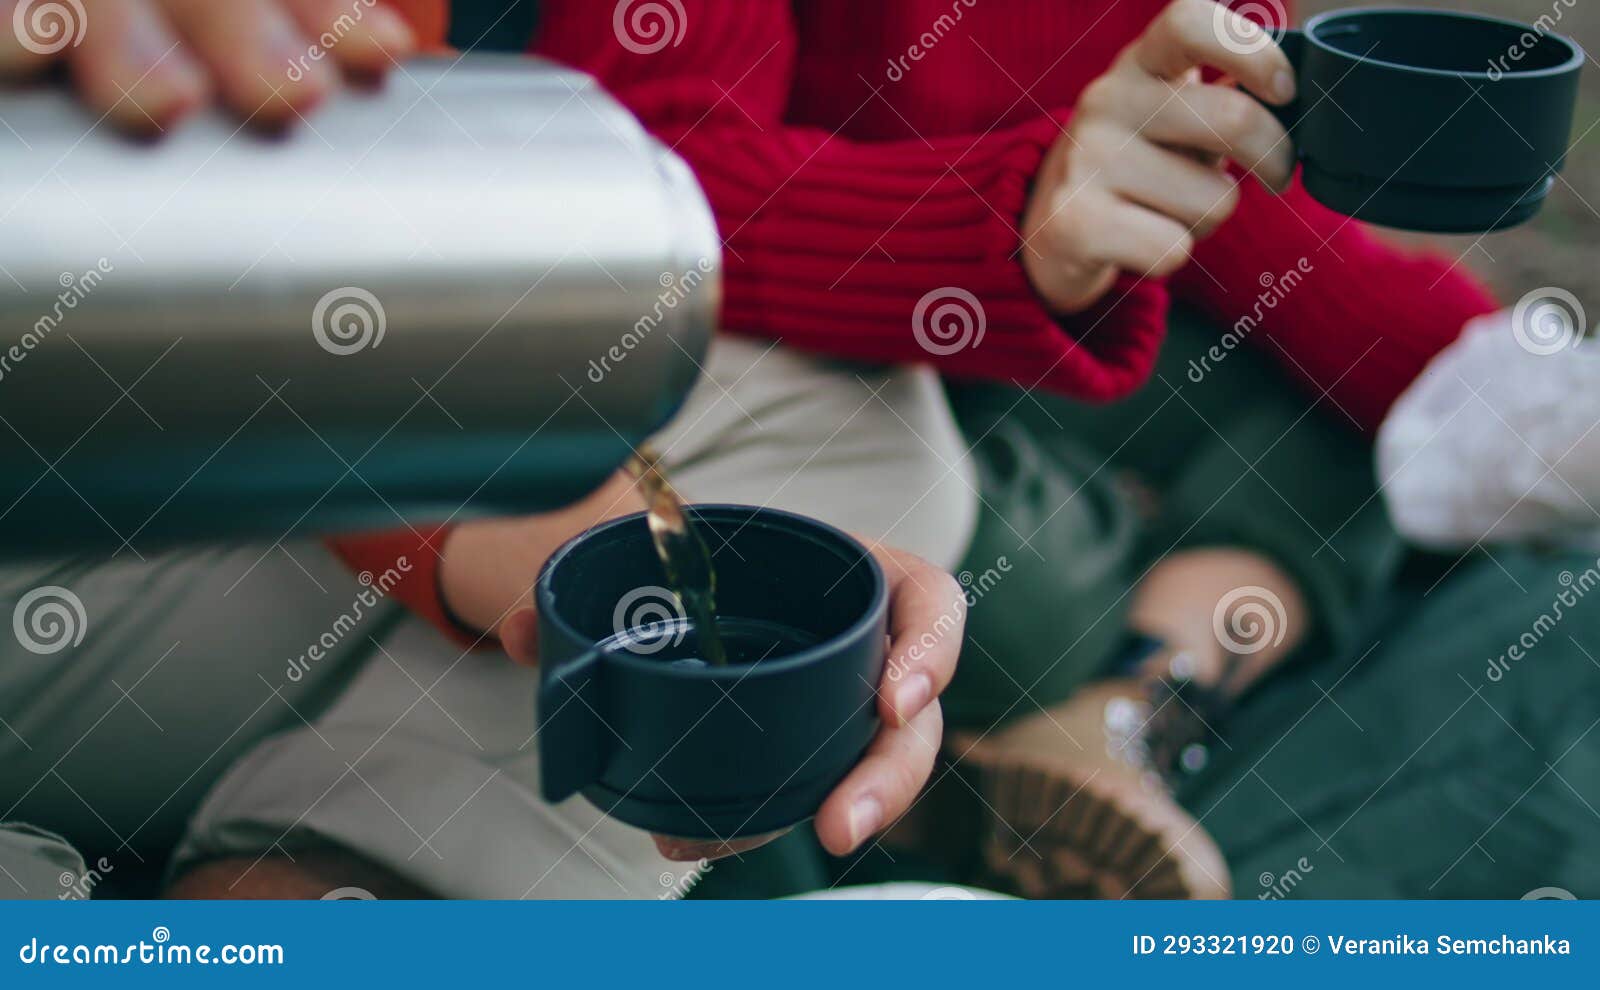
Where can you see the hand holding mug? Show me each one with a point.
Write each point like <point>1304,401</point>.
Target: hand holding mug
<point>828,709</point>
<point>1136,180</point>
<point>483,580</point>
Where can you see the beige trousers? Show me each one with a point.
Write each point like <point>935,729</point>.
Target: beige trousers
<point>427,761</point>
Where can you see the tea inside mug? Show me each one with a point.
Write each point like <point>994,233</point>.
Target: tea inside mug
<point>607,588</point>
<point>678,641</point>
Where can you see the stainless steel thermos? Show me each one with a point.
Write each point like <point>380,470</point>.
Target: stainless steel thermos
<point>469,291</point>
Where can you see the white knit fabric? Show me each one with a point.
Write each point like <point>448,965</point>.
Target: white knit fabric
<point>1499,439</point>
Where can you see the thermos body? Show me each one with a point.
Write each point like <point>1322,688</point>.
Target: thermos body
<point>470,291</point>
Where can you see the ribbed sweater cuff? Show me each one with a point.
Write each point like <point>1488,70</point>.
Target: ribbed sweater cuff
<point>900,252</point>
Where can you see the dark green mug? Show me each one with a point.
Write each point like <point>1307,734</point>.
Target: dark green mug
<point>633,720</point>
<point>1428,120</point>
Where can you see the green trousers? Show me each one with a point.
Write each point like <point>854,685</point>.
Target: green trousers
<point>1431,739</point>
<point>1438,734</point>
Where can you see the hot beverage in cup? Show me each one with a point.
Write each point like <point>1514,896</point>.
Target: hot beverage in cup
<point>633,715</point>
<point>681,642</point>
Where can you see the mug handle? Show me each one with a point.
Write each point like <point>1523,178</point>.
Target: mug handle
<point>574,740</point>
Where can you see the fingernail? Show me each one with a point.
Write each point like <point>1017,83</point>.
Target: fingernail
<point>163,95</point>
<point>145,44</point>
<point>1283,85</point>
<point>913,696</point>
<point>866,815</point>
<point>157,62</point>
<point>285,41</point>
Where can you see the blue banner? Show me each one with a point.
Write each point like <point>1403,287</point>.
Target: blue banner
<point>978,944</point>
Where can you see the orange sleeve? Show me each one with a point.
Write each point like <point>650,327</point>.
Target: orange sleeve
<point>414,556</point>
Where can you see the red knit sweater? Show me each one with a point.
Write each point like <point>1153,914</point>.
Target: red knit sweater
<point>862,155</point>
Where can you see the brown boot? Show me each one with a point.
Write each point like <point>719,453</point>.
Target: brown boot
<point>1072,813</point>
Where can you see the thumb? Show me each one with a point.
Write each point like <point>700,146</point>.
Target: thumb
<point>519,635</point>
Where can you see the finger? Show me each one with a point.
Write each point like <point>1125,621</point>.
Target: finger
<point>1221,120</point>
<point>694,850</point>
<point>1191,33</point>
<point>927,616</point>
<point>133,69</point>
<point>1118,232</point>
<point>364,40</point>
<point>1173,184</point>
<point>883,785</point>
<point>519,637</point>
<point>256,55</point>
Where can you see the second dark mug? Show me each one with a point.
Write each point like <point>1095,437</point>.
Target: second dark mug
<point>629,717</point>
<point>1428,120</point>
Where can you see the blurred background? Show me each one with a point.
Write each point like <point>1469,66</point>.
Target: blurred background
<point>1560,247</point>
